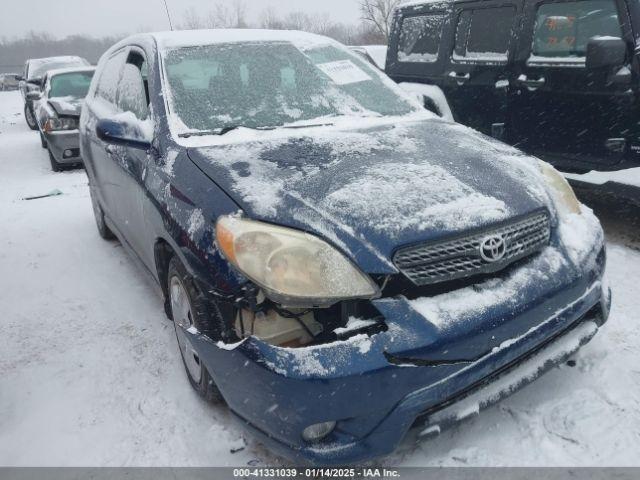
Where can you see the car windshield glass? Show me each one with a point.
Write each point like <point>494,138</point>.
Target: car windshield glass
<point>262,85</point>
<point>74,84</point>
<point>39,69</point>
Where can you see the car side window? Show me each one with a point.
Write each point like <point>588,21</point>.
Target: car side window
<point>484,34</point>
<point>108,83</point>
<point>564,29</point>
<point>419,39</point>
<point>133,94</point>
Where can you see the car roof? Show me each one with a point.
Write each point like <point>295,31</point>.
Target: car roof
<point>60,71</point>
<point>188,38</point>
<point>63,58</point>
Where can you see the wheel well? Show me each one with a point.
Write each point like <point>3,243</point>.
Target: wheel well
<point>163,254</point>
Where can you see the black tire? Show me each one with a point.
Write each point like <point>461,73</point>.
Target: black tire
<point>43,142</point>
<point>30,117</point>
<point>104,231</point>
<point>200,316</point>
<point>55,166</point>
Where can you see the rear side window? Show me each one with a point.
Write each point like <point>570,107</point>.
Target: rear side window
<point>563,29</point>
<point>484,34</point>
<point>133,94</point>
<point>110,76</point>
<point>419,39</point>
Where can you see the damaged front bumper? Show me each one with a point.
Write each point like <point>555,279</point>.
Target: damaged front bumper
<point>64,145</point>
<point>376,387</point>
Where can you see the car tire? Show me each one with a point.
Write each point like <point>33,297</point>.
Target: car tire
<point>189,308</point>
<point>30,117</point>
<point>43,142</point>
<point>104,231</point>
<point>55,166</point>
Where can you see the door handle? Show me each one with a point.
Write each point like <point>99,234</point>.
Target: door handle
<point>531,84</point>
<point>459,77</point>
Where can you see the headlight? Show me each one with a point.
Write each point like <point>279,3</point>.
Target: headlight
<point>563,195</point>
<point>56,124</point>
<point>293,267</point>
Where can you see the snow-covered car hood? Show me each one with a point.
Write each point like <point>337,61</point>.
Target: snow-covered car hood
<point>371,191</point>
<point>70,106</point>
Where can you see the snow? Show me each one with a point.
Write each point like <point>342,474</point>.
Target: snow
<point>378,53</point>
<point>433,92</point>
<point>629,176</point>
<point>90,372</point>
<point>354,324</point>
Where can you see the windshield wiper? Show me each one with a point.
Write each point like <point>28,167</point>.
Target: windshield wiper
<point>220,131</point>
<point>309,125</point>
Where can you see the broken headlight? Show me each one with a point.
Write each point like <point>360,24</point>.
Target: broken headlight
<point>563,196</point>
<point>292,267</point>
<point>57,124</point>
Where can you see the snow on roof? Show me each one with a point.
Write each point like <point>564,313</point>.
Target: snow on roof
<point>65,58</point>
<point>188,38</point>
<point>417,3</point>
<point>61,71</point>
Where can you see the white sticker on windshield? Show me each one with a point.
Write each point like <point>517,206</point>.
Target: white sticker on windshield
<point>343,72</point>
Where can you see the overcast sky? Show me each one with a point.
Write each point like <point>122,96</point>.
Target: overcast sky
<point>109,17</point>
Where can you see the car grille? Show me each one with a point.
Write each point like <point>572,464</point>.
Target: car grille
<point>461,256</point>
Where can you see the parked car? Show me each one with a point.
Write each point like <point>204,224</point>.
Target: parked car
<point>31,81</point>
<point>57,111</point>
<point>338,262</point>
<point>9,81</point>
<point>559,79</point>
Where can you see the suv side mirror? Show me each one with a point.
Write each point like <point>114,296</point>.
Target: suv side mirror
<point>605,52</point>
<point>125,132</point>
<point>33,96</point>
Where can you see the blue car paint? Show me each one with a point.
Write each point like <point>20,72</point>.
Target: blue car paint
<point>374,400</point>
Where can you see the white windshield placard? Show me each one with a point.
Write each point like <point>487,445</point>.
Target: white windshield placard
<point>343,72</point>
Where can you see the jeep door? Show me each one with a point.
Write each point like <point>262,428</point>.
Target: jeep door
<point>577,118</point>
<point>479,70</point>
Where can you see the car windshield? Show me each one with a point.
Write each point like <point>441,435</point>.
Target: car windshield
<point>267,85</point>
<point>38,69</point>
<point>74,84</point>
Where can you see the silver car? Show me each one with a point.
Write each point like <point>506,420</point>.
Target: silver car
<point>57,110</point>
<point>9,81</point>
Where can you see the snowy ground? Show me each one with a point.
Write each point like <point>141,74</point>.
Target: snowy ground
<point>90,373</point>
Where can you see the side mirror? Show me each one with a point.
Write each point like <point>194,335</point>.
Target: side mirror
<point>33,96</point>
<point>126,132</point>
<point>19,78</point>
<point>605,52</point>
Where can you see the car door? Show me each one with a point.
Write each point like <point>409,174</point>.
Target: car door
<point>576,118</point>
<point>105,158</point>
<point>133,97</point>
<point>479,69</point>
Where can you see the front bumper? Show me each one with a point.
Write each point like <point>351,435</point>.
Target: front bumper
<point>64,146</point>
<point>375,398</point>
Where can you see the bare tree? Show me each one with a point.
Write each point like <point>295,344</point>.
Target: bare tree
<point>379,13</point>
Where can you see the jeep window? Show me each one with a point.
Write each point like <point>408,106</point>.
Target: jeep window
<point>562,30</point>
<point>266,85</point>
<point>74,84</point>
<point>484,34</point>
<point>419,39</point>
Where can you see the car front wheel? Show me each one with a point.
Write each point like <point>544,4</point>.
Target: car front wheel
<point>30,117</point>
<point>190,315</point>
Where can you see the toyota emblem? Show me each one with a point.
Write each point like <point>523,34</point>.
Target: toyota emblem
<point>493,248</point>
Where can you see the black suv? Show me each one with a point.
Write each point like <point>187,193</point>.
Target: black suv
<point>558,79</point>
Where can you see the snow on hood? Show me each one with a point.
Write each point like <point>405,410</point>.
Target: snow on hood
<point>377,188</point>
<point>67,105</point>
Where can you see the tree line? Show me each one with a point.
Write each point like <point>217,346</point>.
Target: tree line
<point>373,29</point>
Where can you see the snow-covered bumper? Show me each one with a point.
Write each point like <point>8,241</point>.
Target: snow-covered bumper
<point>64,146</point>
<point>435,352</point>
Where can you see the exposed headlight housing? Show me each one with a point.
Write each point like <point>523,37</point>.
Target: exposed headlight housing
<point>57,124</point>
<point>563,195</point>
<point>292,267</point>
